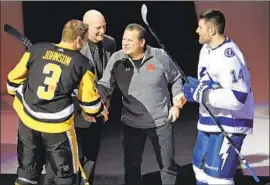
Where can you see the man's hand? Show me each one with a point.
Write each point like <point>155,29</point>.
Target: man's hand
<point>195,91</point>
<point>87,117</point>
<point>174,113</point>
<point>179,101</point>
<point>104,113</point>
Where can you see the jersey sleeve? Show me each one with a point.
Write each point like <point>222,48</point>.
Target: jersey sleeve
<point>88,97</point>
<point>234,80</point>
<point>172,74</point>
<point>18,74</point>
<point>202,67</point>
<point>106,84</point>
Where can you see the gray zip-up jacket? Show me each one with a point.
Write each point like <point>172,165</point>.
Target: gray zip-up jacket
<point>146,97</point>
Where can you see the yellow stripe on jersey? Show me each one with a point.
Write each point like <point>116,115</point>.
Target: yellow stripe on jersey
<point>11,92</point>
<point>41,126</point>
<point>19,74</point>
<point>64,47</point>
<point>71,134</point>
<point>87,94</point>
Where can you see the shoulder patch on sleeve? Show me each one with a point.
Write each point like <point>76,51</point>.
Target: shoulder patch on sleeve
<point>229,52</point>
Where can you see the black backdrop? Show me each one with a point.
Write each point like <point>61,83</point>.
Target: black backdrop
<point>174,23</point>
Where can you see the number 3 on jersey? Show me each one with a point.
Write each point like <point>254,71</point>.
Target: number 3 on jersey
<point>51,82</point>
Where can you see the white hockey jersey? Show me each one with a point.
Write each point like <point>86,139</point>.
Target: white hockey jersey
<point>233,103</point>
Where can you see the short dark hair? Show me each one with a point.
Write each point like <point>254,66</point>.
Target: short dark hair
<point>216,17</point>
<point>141,29</point>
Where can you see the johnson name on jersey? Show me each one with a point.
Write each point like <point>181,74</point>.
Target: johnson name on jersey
<point>43,82</point>
<point>233,103</point>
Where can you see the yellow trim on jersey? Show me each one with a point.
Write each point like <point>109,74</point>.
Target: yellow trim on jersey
<point>41,126</point>
<point>87,93</point>
<point>19,74</point>
<point>11,92</point>
<point>92,110</point>
<point>71,134</point>
<point>64,47</point>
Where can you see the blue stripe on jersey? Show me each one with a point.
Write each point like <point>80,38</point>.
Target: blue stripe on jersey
<point>200,183</point>
<point>240,96</point>
<point>202,73</point>
<point>227,40</point>
<point>227,121</point>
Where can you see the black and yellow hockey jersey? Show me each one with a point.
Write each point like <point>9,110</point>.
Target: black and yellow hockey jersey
<point>43,82</point>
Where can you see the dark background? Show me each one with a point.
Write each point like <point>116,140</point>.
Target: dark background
<point>174,23</point>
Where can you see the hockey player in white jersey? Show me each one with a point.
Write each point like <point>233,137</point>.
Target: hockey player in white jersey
<point>223,85</point>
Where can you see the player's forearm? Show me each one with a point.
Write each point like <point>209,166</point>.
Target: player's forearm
<point>92,108</point>
<point>14,81</point>
<point>177,87</point>
<point>226,99</point>
<point>103,91</point>
<point>18,75</point>
<point>105,85</point>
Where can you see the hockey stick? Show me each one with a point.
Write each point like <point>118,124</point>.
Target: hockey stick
<point>144,17</point>
<point>27,43</point>
<point>83,175</point>
<point>15,33</point>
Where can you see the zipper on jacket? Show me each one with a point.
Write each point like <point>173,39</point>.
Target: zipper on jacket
<point>137,69</point>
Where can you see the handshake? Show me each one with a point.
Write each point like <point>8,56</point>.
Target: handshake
<point>104,113</point>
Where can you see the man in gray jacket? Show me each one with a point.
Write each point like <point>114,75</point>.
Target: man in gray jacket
<point>143,74</point>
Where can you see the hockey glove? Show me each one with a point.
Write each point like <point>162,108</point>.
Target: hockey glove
<point>195,91</point>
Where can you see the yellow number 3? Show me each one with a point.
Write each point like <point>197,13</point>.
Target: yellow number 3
<point>50,81</point>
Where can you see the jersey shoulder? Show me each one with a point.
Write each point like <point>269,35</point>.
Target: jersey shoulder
<point>230,55</point>
<point>80,62</point>
<point>39,47</point>
<point>229,49</point>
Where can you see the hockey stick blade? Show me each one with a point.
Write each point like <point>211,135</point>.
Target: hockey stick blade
<point>12,31</point>
<point>15,33</point>
<point>144,13</point>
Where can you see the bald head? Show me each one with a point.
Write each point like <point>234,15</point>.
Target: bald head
<point>91,16</point>
<point>97,25</point>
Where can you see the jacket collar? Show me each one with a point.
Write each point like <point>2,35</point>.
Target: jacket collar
<point>147,53</point>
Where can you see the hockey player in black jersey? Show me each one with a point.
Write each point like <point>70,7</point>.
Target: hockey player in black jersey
<point>42,84</point>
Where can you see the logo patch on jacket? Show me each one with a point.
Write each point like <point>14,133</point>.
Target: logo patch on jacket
<point>150,67</point>
<point>229,52</point>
